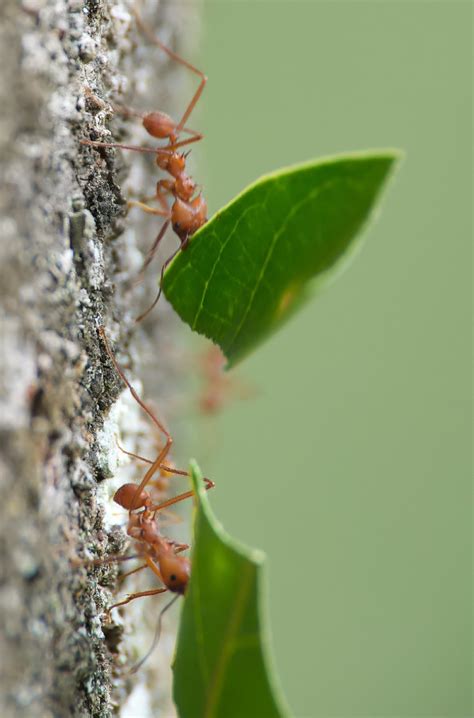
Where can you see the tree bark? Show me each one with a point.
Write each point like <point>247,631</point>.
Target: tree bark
<point>66,267</point>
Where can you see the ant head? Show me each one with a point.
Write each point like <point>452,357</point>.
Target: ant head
<point>199,206</point>
<point>126,496</point>
<point>182,218</point>
<point>175,571</point>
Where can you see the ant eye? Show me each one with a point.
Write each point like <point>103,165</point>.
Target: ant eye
<point>173,577</point>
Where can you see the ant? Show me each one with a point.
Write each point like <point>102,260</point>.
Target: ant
<point>217,386</point>
<point>188,212</point>
<point>218,389</point>
<point>161,555</point>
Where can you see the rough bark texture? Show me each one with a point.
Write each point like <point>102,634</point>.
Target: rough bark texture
<point>65,268</point>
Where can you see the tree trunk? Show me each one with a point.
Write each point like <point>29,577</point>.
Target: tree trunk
<point>66,267</point>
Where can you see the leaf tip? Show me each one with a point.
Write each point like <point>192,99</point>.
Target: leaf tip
<point>196,476</point>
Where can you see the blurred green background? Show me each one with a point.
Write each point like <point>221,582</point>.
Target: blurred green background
<point>351,466</point>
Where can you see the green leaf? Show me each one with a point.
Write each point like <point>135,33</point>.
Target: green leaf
<point>221,666</point>
<point>248,268</point>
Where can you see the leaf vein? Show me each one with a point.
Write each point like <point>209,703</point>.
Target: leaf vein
<point>200,632</point>
<point>228,644</point>
<point>217,260</point>
<point>308,198</point>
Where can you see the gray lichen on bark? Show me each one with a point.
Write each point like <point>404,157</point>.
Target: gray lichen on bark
<point>61,251</point>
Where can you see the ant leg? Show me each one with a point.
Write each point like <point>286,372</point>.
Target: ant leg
<point>130,387</point>
<point>193,102</point>
<point>154,467</point>
<point>168,469</point>
<point>134,148</point>
<point>193,132</point>
<point>160,197</point>
<point>176,145</point>
<point>148,210</point>
<point>127,111</point>
<point>134,570</point>
<point>181,547</point>
<point>163,187</point>
<point>144,197</point>
<point>168,150</point>
<point>132,455</point>
<point>155,301</point>
<point>181,497</point>
<point>154,248</point>
<point>178,472</point>
<point>154,41</point>
<point>153,592</point>
<point>140,594</point>
<point>164,212</point>
<point>169,441</point>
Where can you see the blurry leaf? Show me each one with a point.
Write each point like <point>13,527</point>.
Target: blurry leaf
<point>248,268</point>
<point>221,666</point>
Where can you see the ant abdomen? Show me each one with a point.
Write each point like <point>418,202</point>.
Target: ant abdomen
<point>126,496</point>
<point>159,124</point>
<point>199,206</point>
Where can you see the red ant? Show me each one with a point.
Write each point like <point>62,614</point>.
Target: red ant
<point>188,213</point>
<point>160,553</point>
<point>217,385</point>
<point>218,389</point>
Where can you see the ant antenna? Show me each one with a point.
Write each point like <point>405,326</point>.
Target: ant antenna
<point>156,637</point>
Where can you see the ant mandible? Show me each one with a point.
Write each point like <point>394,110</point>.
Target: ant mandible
<point>188,212</point>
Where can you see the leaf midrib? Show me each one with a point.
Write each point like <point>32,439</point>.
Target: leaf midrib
<point>295,209</point>
<point>228,643</point>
